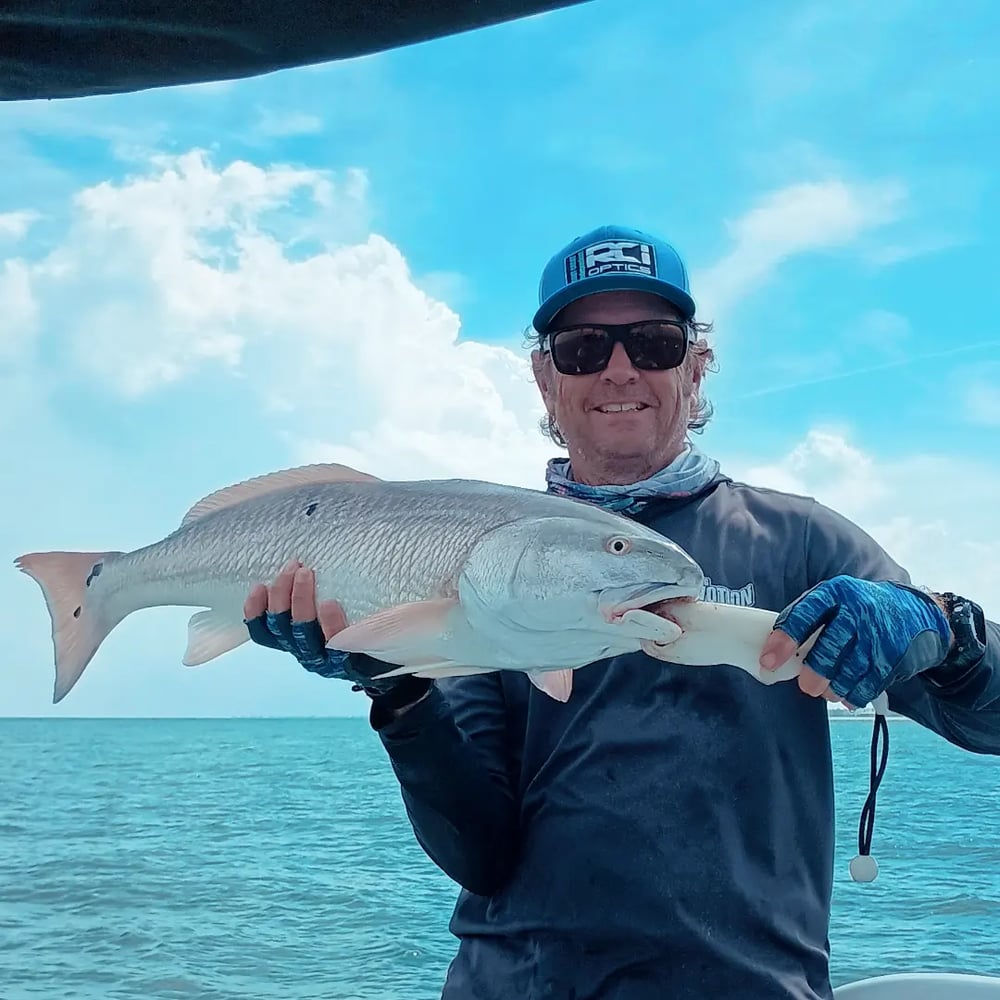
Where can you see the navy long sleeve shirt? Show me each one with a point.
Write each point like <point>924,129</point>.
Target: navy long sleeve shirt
<point>670,830</point>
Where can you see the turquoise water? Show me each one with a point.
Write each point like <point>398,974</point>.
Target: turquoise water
<point>263,859</point>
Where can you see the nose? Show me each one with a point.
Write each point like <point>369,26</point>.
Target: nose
<point>620,369</point>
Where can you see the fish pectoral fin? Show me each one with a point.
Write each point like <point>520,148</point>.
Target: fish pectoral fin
<point>407,630</point>
<point>557,684</point>
<point>210,634</point>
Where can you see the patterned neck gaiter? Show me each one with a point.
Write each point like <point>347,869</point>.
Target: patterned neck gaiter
<point>686,475</point>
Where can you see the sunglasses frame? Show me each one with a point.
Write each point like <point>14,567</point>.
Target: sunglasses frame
<point>620,333</point>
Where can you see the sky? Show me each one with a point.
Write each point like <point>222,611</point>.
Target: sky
<point>338,262</point>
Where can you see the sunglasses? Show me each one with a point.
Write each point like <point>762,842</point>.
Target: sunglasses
<point>653,345</point>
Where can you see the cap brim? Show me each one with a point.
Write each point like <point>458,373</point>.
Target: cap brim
<point>612,283</point>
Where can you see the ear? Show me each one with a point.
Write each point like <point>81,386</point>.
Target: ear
<point>542,369</point>
<point>696,362</point>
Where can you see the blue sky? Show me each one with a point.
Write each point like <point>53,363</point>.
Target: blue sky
<point>202,284</point>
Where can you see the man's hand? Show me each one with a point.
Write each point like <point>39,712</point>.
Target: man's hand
<point>285,615</point>
<point>872,634</point>
<point>779,649</point>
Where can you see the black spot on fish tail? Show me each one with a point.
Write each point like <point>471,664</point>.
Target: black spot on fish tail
<point>94,572</point>
<point>311,509</point>
<point>76,614</point>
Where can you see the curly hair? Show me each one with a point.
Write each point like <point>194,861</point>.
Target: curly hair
<point>701,408</point>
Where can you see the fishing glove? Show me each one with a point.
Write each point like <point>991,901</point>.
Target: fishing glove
<point>304,640</point>
<point>876,634</point>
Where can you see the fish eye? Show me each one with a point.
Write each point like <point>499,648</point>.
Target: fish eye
<point>618,545</point>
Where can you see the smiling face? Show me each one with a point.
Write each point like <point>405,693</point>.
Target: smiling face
<point>622,424</point>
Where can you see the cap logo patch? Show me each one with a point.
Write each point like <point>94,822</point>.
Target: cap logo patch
<point>609,256</point>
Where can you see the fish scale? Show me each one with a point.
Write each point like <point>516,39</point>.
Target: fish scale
<point>348,537</point>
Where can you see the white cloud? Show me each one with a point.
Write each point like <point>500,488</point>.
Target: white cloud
<point>159,271</point>
<point>285,124</point>
<point>828,466</point>
<point>916,246</point>
<point>799,218</point>
<point>15,225</point>
<point>18,309</point>
<point>982,398</point>
<point>944,536</point>
<point>192,269</point>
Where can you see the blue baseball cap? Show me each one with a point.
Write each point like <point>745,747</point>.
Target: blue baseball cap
<point>612,258</point>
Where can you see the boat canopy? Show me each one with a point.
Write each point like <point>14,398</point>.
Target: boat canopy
<point>79,48</point>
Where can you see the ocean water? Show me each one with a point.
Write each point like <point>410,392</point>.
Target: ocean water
<point>263,859</point>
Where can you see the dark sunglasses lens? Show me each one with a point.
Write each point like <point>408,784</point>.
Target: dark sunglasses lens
<point>582,350</point>
<point>656,346</point>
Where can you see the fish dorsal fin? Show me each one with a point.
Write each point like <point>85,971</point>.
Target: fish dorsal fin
<point>270,482</point>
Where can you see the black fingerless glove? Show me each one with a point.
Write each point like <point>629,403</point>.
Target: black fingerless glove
<point>304,640</point>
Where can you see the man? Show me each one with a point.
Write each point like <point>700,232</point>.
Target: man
<point>669,831</point>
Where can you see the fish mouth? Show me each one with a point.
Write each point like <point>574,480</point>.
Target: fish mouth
<point>615,602</point>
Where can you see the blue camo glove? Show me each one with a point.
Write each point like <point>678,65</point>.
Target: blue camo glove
<point>304,640</point>
<point>875,634</point>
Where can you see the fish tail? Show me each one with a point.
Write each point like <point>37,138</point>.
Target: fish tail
<point>79,621</point>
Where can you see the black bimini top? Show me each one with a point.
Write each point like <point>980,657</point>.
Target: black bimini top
<point>78,48</point>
